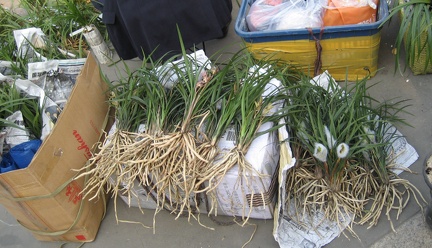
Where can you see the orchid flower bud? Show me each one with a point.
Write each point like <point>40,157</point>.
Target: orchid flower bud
<point>320,152</point>
<point>331,141</point>
<point>342,150</point>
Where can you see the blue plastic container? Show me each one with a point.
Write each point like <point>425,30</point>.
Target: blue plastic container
<point>299,34</point>
<point>349,52</point>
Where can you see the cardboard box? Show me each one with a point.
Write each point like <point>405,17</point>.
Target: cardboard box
<point>44,198</point>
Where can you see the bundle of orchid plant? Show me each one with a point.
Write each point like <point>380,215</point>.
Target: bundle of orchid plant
<point>57,20</point>
<point>342,142</point>
<point>175,154</point>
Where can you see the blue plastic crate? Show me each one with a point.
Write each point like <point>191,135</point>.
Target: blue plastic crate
<point>300,34</point>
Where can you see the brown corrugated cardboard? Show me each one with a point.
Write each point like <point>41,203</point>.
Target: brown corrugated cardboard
<point>43,197</point>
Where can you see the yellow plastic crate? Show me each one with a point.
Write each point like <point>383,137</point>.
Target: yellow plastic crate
<point>349,58</point>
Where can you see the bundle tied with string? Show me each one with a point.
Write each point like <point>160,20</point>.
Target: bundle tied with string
<point>344,158</point>
<point>175,155</point>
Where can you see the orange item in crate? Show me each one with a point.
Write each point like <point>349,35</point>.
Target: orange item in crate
<point>340,12</point>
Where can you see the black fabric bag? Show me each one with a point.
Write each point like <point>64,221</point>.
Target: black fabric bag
<point>138,27</point>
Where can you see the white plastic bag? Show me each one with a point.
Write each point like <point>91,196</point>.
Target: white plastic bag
<point>355,3</point>
<point>169,78</point>
<point>285,14</point>
<point>262,12</point>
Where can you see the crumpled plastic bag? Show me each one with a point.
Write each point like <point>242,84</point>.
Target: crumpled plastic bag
<point>7,164</point>
<point>353,3</point>
<point>19,156</point>
<point>285,14</point>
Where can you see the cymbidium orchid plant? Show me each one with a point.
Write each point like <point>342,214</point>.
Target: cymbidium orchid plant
<point>176,157</point>
<point>342,148</point>
<point>414,34</point>
<point>57,20</point>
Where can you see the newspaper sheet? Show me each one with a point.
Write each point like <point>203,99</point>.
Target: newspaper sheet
<point>27,40</point>
<point>401,153</point>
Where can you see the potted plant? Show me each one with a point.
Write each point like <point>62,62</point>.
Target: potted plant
<point>415,33</point>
